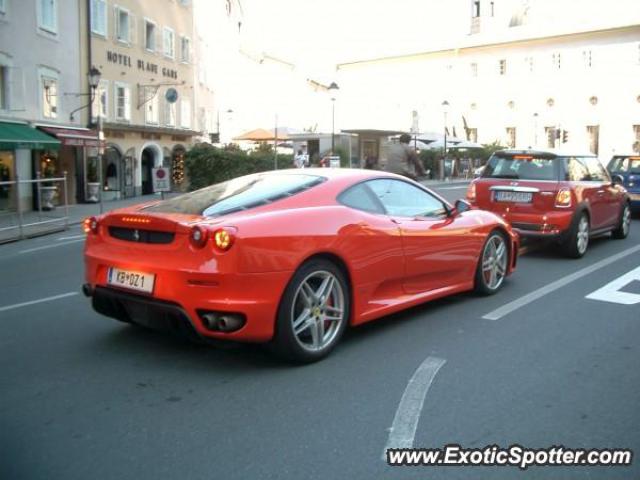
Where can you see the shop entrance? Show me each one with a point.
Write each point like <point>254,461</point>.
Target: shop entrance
<point>148,162</point>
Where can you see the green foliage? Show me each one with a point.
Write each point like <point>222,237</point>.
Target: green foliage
<point>488,150</point>
<point>207,165</point>
<point>428,159</point>
<point>92,170</point>
<point>344,156</point>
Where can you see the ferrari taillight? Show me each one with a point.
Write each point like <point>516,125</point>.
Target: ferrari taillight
<point>471,192</point>
<point>90,225</point>
<point>563,198</point>
<point>223,238</point>
<point>198,236</point>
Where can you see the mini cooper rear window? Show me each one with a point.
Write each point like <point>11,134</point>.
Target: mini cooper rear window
<point>521,167</point>
<point>238,194</point>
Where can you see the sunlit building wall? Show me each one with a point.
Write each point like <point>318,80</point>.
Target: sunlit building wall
<point>521,70</point>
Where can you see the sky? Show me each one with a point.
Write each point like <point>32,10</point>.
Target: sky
<point>315,36</point>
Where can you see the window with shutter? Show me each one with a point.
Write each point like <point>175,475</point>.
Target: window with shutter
<point>125,25</point>
<point>185,49</point>
<point>123,102</point>
<point>49,87</point>
<point>48,15</point>
<point>185,113</point>
<point>170,114</point>
<point>100,106</point>
<point>99,17</point>
<point>151,107</point>
<point>150,35</point>
<point>168,43</point>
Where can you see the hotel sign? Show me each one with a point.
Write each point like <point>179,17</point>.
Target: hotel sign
<point>144,66</point>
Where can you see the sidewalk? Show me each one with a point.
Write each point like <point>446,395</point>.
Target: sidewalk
<point>45,222</point>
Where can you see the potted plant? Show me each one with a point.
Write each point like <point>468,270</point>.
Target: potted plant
<point>48,190</point>
<point>93,186</point>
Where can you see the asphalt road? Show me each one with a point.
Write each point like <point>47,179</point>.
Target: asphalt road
<point>85,397</point>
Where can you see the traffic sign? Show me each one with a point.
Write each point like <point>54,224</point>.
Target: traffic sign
<point>161,179</point>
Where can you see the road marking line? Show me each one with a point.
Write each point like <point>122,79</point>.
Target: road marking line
<point>551,287</point>
<point>611,291</point>
<point>41,300</point>
<point>405,423</point>
<point>72,237</point>
<point>29,250</point>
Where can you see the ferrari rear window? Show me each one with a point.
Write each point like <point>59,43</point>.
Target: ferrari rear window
<point>625,165</point>
<point>521,167</point>
<point>238,194</point>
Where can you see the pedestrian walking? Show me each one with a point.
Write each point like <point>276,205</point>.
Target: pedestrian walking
<point>403,160</point>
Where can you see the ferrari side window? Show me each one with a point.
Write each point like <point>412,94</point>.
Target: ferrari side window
<point>361,197</point>
<point>405,200</point>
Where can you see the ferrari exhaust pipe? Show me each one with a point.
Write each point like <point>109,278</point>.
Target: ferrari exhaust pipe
<point>230,323</point>
<point>222,322</point>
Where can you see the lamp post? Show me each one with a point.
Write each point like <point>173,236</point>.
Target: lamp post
<point>535,129</point>
<point>445,110</point>
<point>333,88</point>
<point>94,80</point>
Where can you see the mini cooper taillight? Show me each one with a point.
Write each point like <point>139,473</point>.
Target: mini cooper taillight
<point>90,225</point>
<point>563,198</point>
<point>223,238</point>
<point>471,192</point>
<point>198,236</point>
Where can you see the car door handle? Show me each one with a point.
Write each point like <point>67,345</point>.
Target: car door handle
<point>600,192</point>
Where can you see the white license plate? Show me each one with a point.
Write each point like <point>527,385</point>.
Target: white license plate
<point>516,197</point>
<point>634,196</point>
<point>142,282</point>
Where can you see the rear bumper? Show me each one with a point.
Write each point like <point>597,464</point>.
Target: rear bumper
<point>180,297</point>
<point>533,225</point>
<point>149,312</point>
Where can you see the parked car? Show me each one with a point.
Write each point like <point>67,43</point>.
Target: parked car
<point>628,168</point>
<point>291,257</point>
<point>566,197</point>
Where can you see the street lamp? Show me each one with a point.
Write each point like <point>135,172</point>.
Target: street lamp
<point>333,88</point>
<point>445,110</point>
<point>94,81</point>
<point>94,78</point>
<point>535,129</point>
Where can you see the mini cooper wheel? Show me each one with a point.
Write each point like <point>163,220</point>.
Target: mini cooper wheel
<point>622,230</point>
<point>313,313</point>
<point>492,266</point>
<point>578,240</point>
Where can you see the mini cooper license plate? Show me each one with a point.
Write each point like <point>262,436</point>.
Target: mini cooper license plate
<point>142,282</point>
<point>516,197</point>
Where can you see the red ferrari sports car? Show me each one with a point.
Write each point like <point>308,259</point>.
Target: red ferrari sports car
<point>291,257</point>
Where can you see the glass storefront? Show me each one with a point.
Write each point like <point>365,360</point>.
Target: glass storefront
<point>7,174</point>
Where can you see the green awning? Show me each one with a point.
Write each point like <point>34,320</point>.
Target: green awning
<point>15,135</point>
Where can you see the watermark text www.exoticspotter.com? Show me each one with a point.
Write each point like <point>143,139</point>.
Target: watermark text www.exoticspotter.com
<point>515,456</point>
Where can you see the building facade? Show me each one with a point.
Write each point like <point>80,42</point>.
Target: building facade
<point>524,74</point>
<point>40,88</point>
<point>146,101</point>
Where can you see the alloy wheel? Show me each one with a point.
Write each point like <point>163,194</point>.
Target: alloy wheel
<point>626,220</point>
<point>494,262</point>
<point>318,311</point>
<point>582,237</point>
